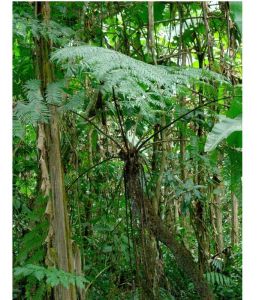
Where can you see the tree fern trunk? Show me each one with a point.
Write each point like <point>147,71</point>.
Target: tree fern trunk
<point>199,209</point>
<point>154,223</point>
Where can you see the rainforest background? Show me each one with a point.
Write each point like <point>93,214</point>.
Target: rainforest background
<point>127,150</point>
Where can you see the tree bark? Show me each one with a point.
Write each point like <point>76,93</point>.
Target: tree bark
<point>151,31</point>
<point>235,225</point>
<point>209,38</point>
<point>154,223</point>
<point>199,208</point>
<point>218,223</point>
<point>59,247</point>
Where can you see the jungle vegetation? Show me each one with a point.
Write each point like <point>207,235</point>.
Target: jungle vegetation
<point>127,150</point>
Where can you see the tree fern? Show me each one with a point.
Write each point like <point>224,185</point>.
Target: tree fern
<point>134,80</point>
<point>143,88</point>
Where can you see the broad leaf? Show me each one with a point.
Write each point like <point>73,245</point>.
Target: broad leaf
<point>222,130</point>
<point>236,11</point>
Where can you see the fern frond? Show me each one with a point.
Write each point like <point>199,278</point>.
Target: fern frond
<point>32,90</point>
<point>34,110</point>
<point>58,33</point>
<point>55,31</point>
<point>55,93</point>
<point>218,278</point>
<point>132,79</point>
<point>18,128</point>
<point>75,102</point>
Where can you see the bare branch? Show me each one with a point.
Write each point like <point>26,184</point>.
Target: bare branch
<point>120,121</point>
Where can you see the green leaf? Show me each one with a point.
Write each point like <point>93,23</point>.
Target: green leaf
<point>236,12</point>
<point>222,130</point>
<point>18,128</point>
<point>65,279</point>
<point>54,92</point>
<point>39,274</point>
<point>158,8</point>
<point>52,279</point>
<point>143,87</point>
<point>236,104</point>
<point>107,249</point>
<point>80,281</point>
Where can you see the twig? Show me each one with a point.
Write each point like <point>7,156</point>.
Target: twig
<point>119,115</point>
<point>174,121</point>
<point>96,277</point>
<point>162,141</point>
<point>100,130</point>
<point>92,167</point>
<point>94,125</point>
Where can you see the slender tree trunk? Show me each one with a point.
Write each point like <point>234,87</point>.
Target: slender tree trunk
<point>59,252</point>
<point>199,209</point>
<point>208,35</point>
<point>151,32</point>
<point>156,267</point>
<point>235,225</point>
<point>151,259</point>
<point>219,223</point>
<point>182,60</point>
<point>217,197</point>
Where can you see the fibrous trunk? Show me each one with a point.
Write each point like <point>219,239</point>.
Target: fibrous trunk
<point>59,246</point>
<point>154,224</point>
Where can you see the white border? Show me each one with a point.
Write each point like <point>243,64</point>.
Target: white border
<point>257,150</point>
<point>6,150</point>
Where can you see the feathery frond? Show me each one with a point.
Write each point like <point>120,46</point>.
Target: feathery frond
<point>57,33</point>
<point>34,109</point>
<point>135,81</point>
<point>55,93</point>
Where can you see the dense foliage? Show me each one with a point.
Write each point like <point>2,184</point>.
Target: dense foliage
<point>127,148</point>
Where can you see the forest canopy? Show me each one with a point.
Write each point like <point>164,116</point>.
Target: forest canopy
<point>127,150</point>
